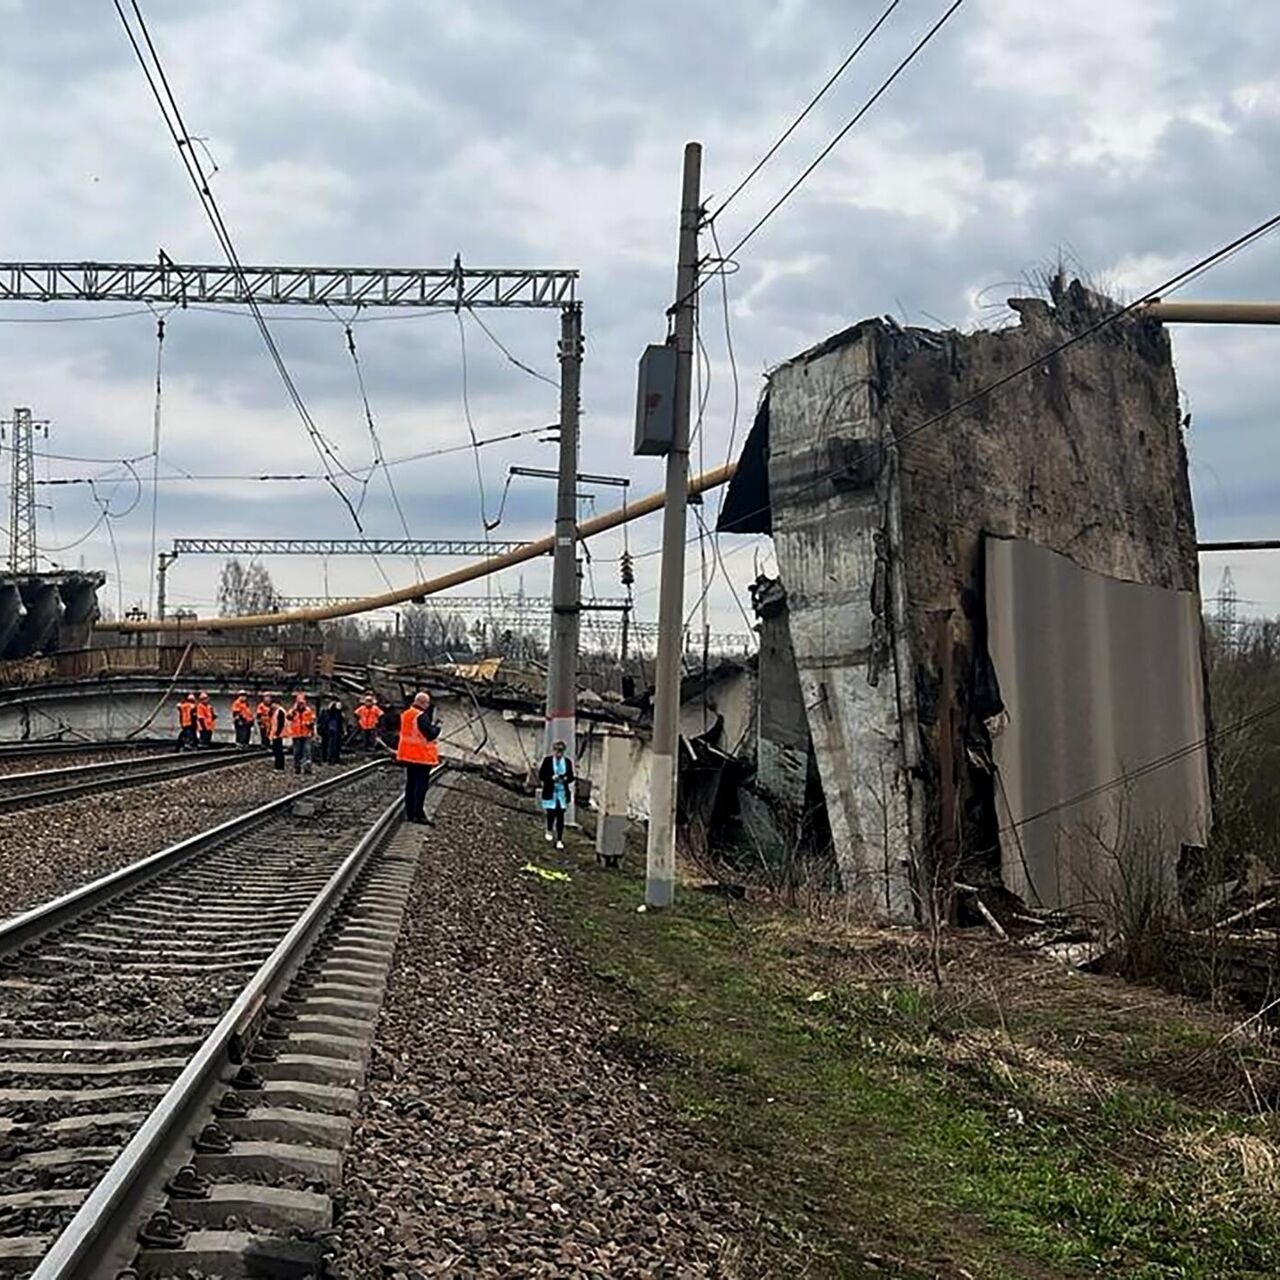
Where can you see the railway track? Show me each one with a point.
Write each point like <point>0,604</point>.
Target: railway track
<point>58,747</point>
<point>16,756</point>
<point>234,975</point>
<point>46,786</point>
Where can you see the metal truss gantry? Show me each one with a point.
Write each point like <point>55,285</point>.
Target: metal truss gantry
<point>507,606</point>
<point>455,287</point>
<point>192,284</point>
<point>340,547</point>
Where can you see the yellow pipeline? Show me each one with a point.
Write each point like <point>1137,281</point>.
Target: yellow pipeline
<point>432,586</point>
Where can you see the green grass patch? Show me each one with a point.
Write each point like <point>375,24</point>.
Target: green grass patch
<point>881,1126</point>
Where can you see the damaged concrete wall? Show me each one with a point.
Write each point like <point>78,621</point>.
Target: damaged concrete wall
<point>888,463</point>
<point>831,542</point>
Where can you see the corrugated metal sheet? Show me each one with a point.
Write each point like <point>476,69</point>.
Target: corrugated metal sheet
<point>1102,682</point>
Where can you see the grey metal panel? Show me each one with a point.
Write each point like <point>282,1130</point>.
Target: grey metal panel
<point>1101,680</point>
<point>655,401</point>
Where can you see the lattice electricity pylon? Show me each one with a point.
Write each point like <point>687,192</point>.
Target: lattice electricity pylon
<point>1227,617</point>
<point>22,490</point>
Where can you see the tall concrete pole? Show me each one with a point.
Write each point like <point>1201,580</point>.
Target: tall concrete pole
<point>660,865</point>
<point>562,665</point>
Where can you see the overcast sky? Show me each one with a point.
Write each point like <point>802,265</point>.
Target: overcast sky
<point>1130,137</point>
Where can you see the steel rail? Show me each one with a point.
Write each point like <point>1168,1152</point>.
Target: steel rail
<point>128,765</point>
<point>137,773</point>
<point>91,1245</point>
<point>59,746</point>
<point>21,930</point>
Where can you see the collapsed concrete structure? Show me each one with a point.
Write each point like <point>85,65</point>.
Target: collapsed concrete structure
<point>988,569</point>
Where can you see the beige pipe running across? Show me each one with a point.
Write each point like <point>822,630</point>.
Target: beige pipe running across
<point>468,573</point>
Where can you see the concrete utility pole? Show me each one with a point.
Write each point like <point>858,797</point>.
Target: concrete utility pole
<point>562,662</point>
<point>660,865</point>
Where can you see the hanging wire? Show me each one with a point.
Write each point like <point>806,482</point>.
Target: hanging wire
<point>379,459</point>
<point>497,342</point>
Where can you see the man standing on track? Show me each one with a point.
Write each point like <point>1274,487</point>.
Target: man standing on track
<point>187,723</point>
<point>206,718</point>
<point>242,718</point>
<point>263,715</point>
<point>302,727</point>
<point>418,752</point>
<point>332,725</point>
<point>278,726</point>
<point>368,716</point>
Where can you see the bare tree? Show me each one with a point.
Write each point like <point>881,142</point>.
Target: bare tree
<point>244,590</point>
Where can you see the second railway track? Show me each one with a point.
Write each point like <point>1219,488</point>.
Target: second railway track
<point>109,995</point>
<point>48,786</point>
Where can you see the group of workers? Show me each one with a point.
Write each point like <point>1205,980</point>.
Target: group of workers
<point>298,723</point>
<point>279,720</point>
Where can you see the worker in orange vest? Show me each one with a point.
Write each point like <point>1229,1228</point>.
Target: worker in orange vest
<point>263,717</point>
<point>302,727</point>
<point>277,727</point>
<point>187,723</point>
<point>368,717</point>
<point>418,752</point>
<point>206,718</point>
<point>242,718</point>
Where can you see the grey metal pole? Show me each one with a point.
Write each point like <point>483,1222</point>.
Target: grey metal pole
<point>660,864</point>
<point>562,665</point>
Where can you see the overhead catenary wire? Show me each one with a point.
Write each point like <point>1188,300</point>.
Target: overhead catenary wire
<point>274,475</point>
<point>497,342</point>
<point>157,80</point>
<point>379,461</point>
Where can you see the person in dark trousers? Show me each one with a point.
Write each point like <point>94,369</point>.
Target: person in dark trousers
<point>417,751</point>
<point>368,717</point>
<point>263,716</point>
<point>332,725</point>
<point>206,718</point>
<point>242,719</point>
<point>187,723</point>
<point>556,776</point>
<point>302,729</point>
<point>279,726</point>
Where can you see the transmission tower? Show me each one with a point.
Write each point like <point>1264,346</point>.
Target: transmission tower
<point>22,492</point>
<point>1227,600</point>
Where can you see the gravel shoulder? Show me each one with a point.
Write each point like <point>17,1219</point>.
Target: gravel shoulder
<point>57,847</point>
<point>501,1133</point>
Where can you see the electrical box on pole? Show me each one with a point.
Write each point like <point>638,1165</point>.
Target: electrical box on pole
<point>656,401</point>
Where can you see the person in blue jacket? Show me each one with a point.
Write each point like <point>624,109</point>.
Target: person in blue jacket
<point>556,776</point>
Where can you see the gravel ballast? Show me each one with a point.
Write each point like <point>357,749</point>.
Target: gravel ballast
<point>54,848</point>
<point>497,1136</point>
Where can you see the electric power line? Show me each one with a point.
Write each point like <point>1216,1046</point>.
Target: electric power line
<point>917,49</point>
<point>813,102</point>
